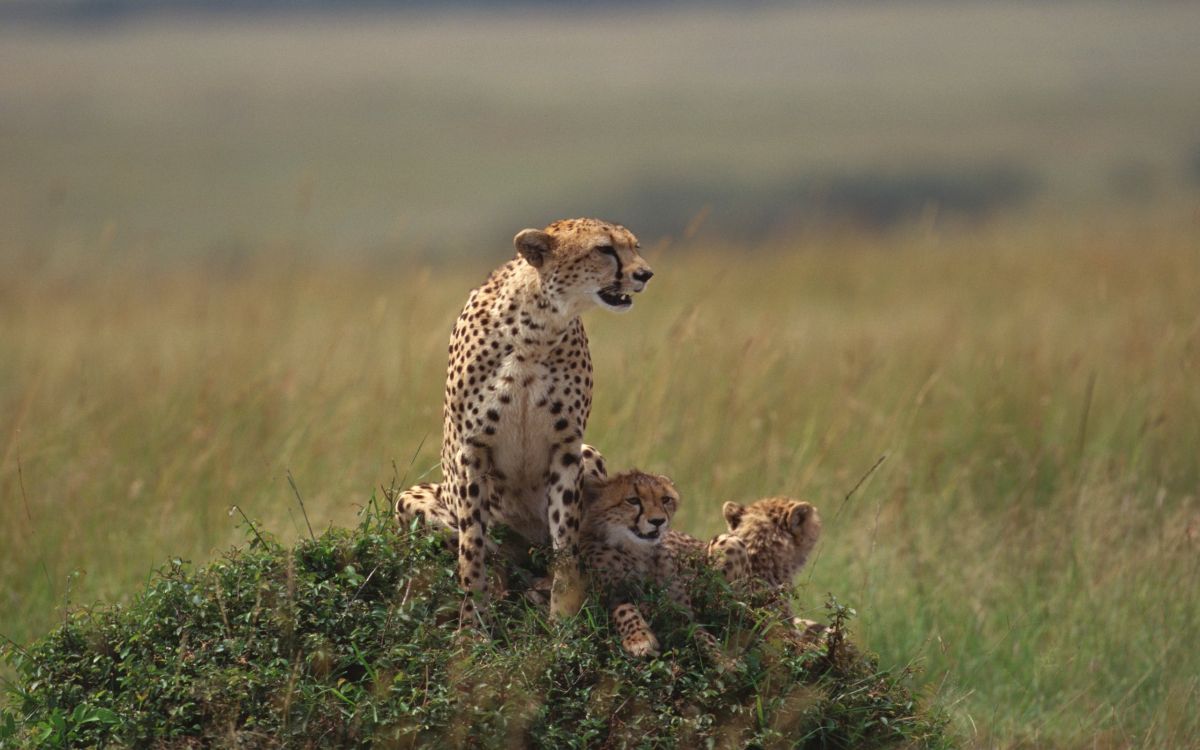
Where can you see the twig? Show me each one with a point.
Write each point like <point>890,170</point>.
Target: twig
<point>250,523</point>
<point>296,490</point>
<point>29,517</point>
<point>21,481</point>
<point>14,644</point>
<point>412,460</point>
<point>1087,410</point>
<point>364,583</point>
<point>861,479</point>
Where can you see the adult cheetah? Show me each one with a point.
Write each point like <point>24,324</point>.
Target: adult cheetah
<point>519,391</point>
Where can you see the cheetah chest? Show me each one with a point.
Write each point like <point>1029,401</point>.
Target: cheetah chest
<point>532,421</point>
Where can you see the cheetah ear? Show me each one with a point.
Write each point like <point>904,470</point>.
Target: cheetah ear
<point>798,514</point>
<point>733,514</point>
<point>534,245</point>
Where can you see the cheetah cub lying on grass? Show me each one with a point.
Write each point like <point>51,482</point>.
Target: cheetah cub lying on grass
<point>625,521</point>
<point>778,535</point>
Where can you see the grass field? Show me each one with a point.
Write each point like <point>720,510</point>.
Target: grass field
<point>233,247</point>
<point>1032,539</point>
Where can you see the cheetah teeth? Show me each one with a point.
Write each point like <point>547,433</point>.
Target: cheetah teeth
<point>615,299</point>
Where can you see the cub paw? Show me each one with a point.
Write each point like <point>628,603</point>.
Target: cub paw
<point>641,645</point>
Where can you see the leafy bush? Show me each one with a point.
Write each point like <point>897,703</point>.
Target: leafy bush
<point>348,640</point>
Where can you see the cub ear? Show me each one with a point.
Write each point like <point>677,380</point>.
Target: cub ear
<point>669,483</point>
<point>798,514</point>
<point>534,245</point>
<point>733,514</point>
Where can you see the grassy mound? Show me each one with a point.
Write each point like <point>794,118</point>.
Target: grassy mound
<point>348,640</point>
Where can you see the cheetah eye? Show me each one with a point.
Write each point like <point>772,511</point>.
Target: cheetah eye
<point>634,500</point>
<point>606,250</point>
<point>668,500</point>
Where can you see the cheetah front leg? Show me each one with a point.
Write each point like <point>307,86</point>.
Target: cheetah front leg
<point>468,485</point>
<point>568,590</point>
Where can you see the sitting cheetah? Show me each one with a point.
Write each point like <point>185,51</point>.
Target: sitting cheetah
<point>519,391</point>
<point>778,534</point>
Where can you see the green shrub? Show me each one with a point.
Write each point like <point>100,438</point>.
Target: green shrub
<point>349,640</point>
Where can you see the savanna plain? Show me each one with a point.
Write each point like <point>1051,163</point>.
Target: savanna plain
<point>1031,541</point>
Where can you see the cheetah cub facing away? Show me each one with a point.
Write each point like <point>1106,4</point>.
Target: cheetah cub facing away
<point>519,392</point>
<point>778,535</point>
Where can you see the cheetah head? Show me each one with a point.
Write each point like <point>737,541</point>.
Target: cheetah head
<point>779,532</point>
<point>583,262</point>
<point>631,508</point>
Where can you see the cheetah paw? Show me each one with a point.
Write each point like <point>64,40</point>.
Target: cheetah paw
<point>641,645</point>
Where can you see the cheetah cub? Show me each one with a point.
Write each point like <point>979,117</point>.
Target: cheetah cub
<point>778,534</point>
<point>624,522</point>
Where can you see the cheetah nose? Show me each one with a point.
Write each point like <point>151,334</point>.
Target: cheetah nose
<point>658,522</point>
<point>642,275</point>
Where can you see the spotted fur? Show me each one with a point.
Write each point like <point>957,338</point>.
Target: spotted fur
<point>427,505</point>
<point>519,392</point>
<point>625,544</point>
<point>725,552</point>
<point>624,520</point>
<point>778,534</point>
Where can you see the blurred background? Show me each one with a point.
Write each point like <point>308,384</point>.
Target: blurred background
<point>377,129</point>
<point>961,235</point>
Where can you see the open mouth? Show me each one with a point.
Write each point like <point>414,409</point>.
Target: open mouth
<point>613,297</point>
<point>647,535</point>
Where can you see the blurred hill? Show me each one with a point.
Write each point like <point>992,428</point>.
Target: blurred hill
<point>381,130</point>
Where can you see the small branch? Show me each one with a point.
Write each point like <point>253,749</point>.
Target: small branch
<point>249,523</point>
<point>14,644</point>
<point>1087,410</point>
<point>21,481</point>
<point>364,583</point>
<point>296,490</point>
<point>412,460</point>
<point>861,479</point>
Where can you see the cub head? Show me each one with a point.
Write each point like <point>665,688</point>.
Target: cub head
<point>630,508</point>
<point>779,532</point>
<point>584,262</point>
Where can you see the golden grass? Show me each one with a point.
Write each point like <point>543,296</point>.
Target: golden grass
<point>1032,539</point>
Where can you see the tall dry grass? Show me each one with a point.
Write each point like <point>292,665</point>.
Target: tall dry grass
<point>1032,539</point>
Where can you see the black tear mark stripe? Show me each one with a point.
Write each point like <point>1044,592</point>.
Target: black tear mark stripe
<point>611,251</point>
